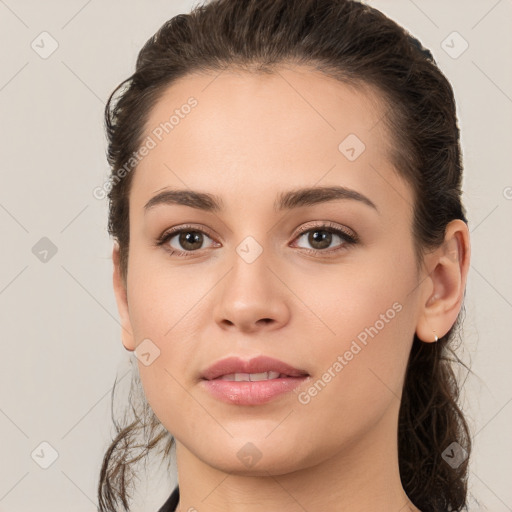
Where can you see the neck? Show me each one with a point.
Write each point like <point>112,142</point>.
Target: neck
<point>361,478</point>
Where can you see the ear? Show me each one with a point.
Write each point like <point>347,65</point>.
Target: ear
<point>445,284</point>
<point>122,302</point>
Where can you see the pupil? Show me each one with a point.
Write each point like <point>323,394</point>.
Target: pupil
<point>189,238</point>
<point>325,239</point>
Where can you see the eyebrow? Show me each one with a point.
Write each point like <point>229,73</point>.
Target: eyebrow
<point>285,201</point>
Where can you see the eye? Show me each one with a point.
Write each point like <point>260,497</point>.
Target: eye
<point>184,241</point>
<point>188,240</point>
<point>321,237</point>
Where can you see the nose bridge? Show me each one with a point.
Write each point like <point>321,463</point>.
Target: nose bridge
<point>249,267</point>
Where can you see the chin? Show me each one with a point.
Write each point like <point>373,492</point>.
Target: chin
<point>277,464</point>
<point>257,456</point>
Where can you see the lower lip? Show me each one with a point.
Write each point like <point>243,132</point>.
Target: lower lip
<point>251,393</point>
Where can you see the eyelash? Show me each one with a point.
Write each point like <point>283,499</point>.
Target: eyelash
<point>349,239</point>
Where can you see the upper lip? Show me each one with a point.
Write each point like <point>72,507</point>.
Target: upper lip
<point>258,364</point>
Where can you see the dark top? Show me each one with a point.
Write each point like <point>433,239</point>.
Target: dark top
<point>172,502</point>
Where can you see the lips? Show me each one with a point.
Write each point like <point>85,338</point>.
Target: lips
<point>253,382</point>
<point>234,368</point>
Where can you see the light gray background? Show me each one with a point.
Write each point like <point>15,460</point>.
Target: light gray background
<point>61,346</point>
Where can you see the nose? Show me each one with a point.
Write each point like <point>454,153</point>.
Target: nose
<point>251,298</point>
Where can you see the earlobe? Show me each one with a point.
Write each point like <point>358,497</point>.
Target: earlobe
<point>120,292</point>
<point>445,283</point>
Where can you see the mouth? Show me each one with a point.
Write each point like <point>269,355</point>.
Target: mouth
<point>253,377</point>
<point>253,382</point>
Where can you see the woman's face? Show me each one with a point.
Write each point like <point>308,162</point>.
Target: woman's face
<point>260,280</point>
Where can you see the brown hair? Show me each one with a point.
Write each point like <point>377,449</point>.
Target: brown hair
<point>355,44</point>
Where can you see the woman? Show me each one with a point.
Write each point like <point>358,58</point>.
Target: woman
<point>290,262</point>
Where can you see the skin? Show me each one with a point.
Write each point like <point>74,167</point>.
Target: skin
<point>249,138</point>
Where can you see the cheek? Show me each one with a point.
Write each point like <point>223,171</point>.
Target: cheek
<point>366,330</point>
<point>161,302</point>
<point>360,370</point>
<point>162,374</point>
<point>344,302</point>
<point>164,311</point>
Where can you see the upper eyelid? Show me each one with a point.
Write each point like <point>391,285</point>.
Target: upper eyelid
<point>178,229</point>
<point>304,228</point>
<point>327,225</point>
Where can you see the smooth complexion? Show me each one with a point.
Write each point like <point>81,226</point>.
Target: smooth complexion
<point>250,139</point>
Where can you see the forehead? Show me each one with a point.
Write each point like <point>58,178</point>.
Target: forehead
<point>265,132</point>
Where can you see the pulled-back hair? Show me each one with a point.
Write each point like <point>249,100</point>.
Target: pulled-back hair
<point>357,45</point>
